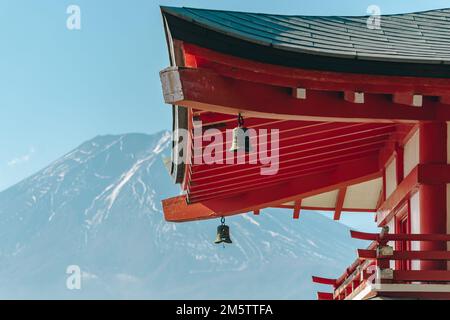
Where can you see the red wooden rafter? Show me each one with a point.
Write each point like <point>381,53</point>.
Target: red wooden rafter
<point>342,118</point>
<point>351,172</point>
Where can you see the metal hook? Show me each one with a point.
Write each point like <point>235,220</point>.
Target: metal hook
<point>240,120</point>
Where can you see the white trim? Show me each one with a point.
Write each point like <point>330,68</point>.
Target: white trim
<point>411,154</point>
<point>300,93</point>
<point>406,288</point>
<point>364,293</point>
<point>417,100</point>
<point>411,287</point>
<point>391,177</point>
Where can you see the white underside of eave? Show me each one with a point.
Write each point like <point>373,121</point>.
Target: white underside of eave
<point>362,196</point>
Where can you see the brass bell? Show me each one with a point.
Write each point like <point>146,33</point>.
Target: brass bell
<point>223,233</point>
<point>241,138</point>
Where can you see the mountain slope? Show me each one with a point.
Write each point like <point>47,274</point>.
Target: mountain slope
<point>98,207</point>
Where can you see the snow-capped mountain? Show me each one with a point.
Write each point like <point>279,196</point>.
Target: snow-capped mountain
<point>98,207</point>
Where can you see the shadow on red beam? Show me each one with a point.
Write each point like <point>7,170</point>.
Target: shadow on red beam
<point>321,80</point>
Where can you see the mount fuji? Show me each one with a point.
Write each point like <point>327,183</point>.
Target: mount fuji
<point>98,207</point>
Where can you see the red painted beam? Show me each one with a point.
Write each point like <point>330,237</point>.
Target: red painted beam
<point>241,183</point>
<point>422,255</point>
<point>178,210</point>
<point>445,99</point>
<point>297,209</point>
<point>310,208</point>
<point>399,153</point>
<point>257,183</point>
<point>340,203</point>
<point>422,275</point>
<point>289,131</point>
<point>202,89</point>
<point>312,79</point>
<point>434,174</point>
<point>287,161</point>
<point>423,174</point>
<point>418,237</point>
<point>403,190</point>
<point>417,295</point>
<point>367,254</point>
<point>406,255</point>
<point>324,296</point>
<point>314,149</point>
<point>400,237</point>
<point>354,97</point>
<point>307,142</point>
<point>258,125</point>
<point>399,138</point>
<point>301,140</point>
<point>408,99</point>
<point>364,235</point>
<point>254,123</point>
<point>288,165</point>
<point>327,281</point>
<point>288,149</point>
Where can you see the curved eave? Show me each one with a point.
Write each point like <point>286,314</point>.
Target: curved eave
<point>180,119</point>
<point>176,167</point>
<point>187,27</point>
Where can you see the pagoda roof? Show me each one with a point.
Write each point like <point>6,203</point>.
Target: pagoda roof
<point>412,38</point>
<point>340,98</point>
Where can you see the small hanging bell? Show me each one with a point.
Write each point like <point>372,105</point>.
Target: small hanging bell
<point>223,233</point>
<point>241,138</point>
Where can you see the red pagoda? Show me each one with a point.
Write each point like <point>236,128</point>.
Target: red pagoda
<point>362,117</point>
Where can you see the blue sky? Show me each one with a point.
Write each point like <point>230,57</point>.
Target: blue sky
<point>59,88</point>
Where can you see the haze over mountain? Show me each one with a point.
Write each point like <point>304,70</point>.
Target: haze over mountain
<point>98,207</point>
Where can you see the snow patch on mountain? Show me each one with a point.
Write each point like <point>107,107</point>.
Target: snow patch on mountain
<point>99,207</point>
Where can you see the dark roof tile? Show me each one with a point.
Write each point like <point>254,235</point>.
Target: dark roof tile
<point>422,37</point>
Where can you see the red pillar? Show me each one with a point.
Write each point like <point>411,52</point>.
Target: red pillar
<point>433,198</point>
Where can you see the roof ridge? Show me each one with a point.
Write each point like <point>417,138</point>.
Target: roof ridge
<point>310,16</point>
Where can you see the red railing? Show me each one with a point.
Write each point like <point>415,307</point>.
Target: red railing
<point>373,264</point>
